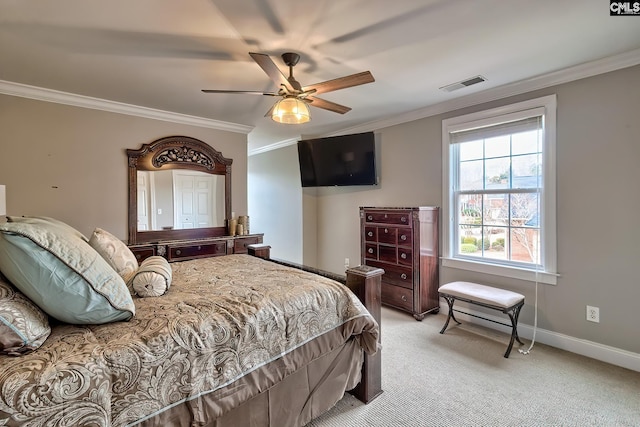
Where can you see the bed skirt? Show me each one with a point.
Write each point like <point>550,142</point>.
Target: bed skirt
<point>294,401</point>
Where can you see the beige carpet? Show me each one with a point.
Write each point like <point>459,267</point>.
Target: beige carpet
<point>461,379</point>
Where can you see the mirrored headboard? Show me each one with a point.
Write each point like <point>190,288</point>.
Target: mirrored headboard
<point>179,189</point>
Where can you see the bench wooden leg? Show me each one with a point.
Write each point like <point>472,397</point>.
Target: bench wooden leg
<point>450,301</point>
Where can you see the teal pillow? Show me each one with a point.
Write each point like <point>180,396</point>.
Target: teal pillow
<point>36,220</point>
<point>64,276</point>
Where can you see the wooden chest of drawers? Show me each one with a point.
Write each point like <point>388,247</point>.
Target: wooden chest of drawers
<point>404,243</point>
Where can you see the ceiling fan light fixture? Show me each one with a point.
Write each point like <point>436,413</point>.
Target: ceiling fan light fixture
<point>291,111</point>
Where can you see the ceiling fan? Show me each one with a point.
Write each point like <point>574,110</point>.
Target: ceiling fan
<point>292,108</point>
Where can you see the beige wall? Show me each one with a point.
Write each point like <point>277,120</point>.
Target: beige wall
<point>598,203</point>
<point>70,163</point>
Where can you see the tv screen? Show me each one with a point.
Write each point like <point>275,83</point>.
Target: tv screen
<point>338,160</point>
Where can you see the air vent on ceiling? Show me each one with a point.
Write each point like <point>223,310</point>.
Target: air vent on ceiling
<point>464,83</point>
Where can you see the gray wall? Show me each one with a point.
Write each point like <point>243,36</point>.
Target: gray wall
<point>598,150</point>
<point>70,163</point>
<point>275,201</point>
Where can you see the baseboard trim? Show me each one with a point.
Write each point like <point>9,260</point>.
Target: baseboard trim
<point>615,356</point>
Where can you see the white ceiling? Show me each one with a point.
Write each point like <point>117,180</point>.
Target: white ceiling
<point>160,53</point>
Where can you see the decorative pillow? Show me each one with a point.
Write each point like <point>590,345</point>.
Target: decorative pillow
<point>62,274</point>
<point>115,252</point>
<point>153,278</point>
<point>23,326</point>
<point>49,221</point>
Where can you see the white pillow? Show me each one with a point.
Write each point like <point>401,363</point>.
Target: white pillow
<point>153,278</point>
<point>115,252</point>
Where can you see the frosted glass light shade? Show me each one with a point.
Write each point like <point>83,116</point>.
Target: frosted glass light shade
<point>3,200</point>
<point>291,111</point>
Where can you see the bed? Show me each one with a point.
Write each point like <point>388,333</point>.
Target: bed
<point>235,340</point>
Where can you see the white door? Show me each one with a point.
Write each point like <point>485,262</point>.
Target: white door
<point>194,200</point>
<point>143,201</point>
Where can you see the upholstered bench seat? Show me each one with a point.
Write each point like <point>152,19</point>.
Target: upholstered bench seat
<point>503,300</point>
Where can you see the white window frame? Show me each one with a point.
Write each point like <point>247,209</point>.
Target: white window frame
<point>545,271</point>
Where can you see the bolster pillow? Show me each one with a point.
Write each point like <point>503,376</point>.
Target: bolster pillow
<point>153,278</point>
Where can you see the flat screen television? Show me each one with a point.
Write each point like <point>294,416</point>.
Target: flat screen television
<point>338,160</point>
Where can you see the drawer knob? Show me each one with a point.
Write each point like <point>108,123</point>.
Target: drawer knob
<point>370,250</point>
<point>178,252</point>
<point>370,218</point>
<point>403,256</point>
<point>403,237</point>
<point>199,248</point>
<point>403,276</point>
<point>403,298</point>
<point>403,219</point>
<point>370,234</point>
<point>386,231</point>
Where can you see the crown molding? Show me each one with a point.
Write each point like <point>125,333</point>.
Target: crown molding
<point>589,69</point>
<point>274,146</point>
<point>50,95</point>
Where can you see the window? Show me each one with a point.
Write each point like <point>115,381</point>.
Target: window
<point>499,190</point>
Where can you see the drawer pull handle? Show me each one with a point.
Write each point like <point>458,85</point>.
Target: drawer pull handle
<point>403,276</point>
<point>370,218</point>
<point>403,256</point>
<point>403,219</point>
<point>403,237</point>
<point>403,298</point>
<point>370,234</point>
<point>178,252</point>
<point>370,250</point>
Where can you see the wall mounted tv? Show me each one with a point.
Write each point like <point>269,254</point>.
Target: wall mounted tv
<point>338,160</point>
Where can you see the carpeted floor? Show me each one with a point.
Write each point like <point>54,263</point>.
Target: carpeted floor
<point>461,379</point>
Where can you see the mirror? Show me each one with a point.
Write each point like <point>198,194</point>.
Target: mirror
<point>179,188</point>
<point>179,199</point>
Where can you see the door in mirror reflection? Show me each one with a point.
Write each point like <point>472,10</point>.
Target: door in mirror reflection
<point>179,199</point>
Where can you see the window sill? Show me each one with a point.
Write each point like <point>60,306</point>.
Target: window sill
<point>500,270</point>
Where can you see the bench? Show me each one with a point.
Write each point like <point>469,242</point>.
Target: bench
<point>502,300</point>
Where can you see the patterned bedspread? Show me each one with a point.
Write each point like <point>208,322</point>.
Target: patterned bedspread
<point>222,318</point>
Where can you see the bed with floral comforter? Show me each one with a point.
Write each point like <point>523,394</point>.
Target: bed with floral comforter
<point>228,332</point>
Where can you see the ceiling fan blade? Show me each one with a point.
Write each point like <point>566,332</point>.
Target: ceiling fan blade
<point>274,73</point>
<point>341,83</point>
<point>246,92</point>
<point>326,105</point>
<point>120,42</point>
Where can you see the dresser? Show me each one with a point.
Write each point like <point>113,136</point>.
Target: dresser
<point>181,250</point>
<point>404,243</point>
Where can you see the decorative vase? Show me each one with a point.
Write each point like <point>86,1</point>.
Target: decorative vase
<point>244,220</point>
<point>233,226</point>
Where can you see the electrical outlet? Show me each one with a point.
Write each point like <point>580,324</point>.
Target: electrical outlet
<point>346,263</point>
<point>593,314</point>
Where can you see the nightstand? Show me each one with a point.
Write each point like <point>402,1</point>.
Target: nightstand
<point>259,250</point>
